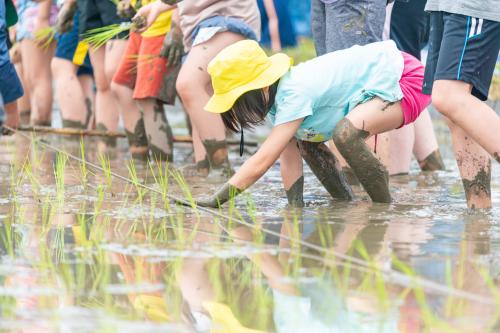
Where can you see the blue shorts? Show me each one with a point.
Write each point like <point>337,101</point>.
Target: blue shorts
<point>10,85</point>
<point>462,48</point>
<point>225,23</point>
<point>67,44</point>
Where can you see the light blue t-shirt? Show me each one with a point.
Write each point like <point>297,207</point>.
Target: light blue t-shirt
<point>324,90</point>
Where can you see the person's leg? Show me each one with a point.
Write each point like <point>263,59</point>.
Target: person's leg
<point>326,168</point>
<point>346,24</point>
<point>69,94</point>
<point>132,121</point>
<point>124,82</point>
<point>87,85</point>
<point>151,72</point>
<point>36,64</point>
<point>454,100</point>
<point>104,61</point>
<point>201,166</point>
<point>350,23</point>
<point>370,118</point>
<point>459,78</point>
<point>426,149</point>
<point>23,103</point>
<point>194,88</point>
<point>318,25</point>
<point>158,131</point>
<point>399,146</point>
<point>474,164</point>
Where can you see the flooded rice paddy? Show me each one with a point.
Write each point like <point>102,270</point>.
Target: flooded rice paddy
<point>85,251</point>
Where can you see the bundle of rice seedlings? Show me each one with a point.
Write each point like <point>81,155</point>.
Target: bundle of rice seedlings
<point>100,36</point>
<point>141,60</point>
<point>45,36</point>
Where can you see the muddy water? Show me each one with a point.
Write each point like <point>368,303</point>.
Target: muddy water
<point>83,252</point>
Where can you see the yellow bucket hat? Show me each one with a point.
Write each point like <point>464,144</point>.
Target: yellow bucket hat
<point>242,67</point>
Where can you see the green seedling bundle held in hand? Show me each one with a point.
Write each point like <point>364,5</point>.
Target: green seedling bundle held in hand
<point>45,36</point>
<point>100,36</point>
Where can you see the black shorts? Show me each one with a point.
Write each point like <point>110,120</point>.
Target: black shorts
<point>97,14</point>
<point>410,26</point>
<point>462,48</point>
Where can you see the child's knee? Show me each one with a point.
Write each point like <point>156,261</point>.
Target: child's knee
<point>447,95</point>
<point>189,86</point>
<point>345,134</point>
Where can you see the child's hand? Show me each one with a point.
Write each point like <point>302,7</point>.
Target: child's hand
<point>151,12</point>
<point>224,194</point>
<point>64,21</point>
<point>125,10</point>
<point>173,47</point>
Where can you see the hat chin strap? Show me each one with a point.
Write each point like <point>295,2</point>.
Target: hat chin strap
<point>242,143</point>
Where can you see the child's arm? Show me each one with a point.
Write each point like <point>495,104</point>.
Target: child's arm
<point>257,165</point>
<point>152,11</point>
<point>65,16</point>
<point>292,174</point>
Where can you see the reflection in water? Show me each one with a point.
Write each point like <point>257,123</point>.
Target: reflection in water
<point>84,252</point>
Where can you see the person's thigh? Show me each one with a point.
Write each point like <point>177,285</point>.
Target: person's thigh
<point>114,53</point>
<point>62,67</point>
<point>37,63</point>
<point>194,70</point>
<point>376,116</point>
<point>351,23</point>
<point>97,57</point>
<point>318,25</point>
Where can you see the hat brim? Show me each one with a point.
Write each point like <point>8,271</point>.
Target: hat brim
<point>280,64</point>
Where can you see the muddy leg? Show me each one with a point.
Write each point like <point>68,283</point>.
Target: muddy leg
<point>108,142</point>
<point>475,168</point>
<point>433,162</point>
<point>426,148</point>
<point>159,133</point>
<point>327,168</point>
<point>372,174</point>
<point>137,140</point>
<point>497,156</point>
<point>217,155</point>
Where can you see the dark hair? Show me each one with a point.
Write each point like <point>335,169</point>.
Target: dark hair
<point>250,109</point>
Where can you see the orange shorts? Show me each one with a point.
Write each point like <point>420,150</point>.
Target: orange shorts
<point>141,68</point>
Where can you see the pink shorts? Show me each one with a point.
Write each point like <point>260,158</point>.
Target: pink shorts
<point>414,101</point>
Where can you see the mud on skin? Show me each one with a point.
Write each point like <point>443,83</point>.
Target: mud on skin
<point>371,173</point>
<point>88,106</point>
<point>480,186</point>
<point>138,139</point>
<point>217,153</point>
<point>497,156</point>
<point>107,140</point>
<point>326,168</point>
<point>433,162</point>
<point>164,153</point>
<point>295,194</point>
<point>73,124</point>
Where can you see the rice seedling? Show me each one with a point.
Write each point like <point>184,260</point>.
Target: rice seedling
<point>132,172</point>
<point>44,37</point>
<point>141,60</point>
<point>106,167</point>
<point>59,176</point>
<point>98,37</point>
